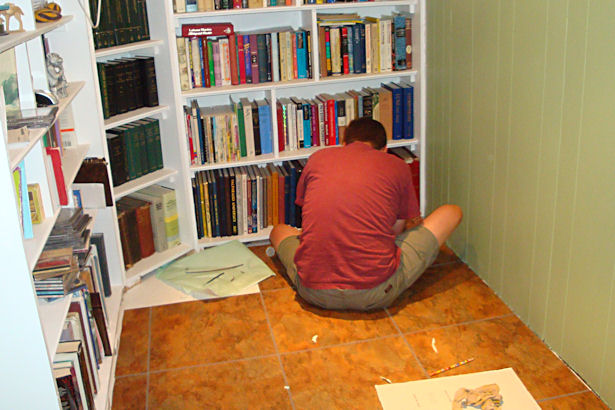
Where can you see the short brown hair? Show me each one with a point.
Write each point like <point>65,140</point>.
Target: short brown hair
<point>367,130</point>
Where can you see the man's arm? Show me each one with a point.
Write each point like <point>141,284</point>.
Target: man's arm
<point>402,225</point>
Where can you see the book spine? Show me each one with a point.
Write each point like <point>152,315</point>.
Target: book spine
<point>205,62</point>
<point>307,127</point>
<point>301,55</point>
<point>151,88</point>
<point>217,63</point>
<point>314,123</point>
<point>241,66</point>
<point>261,58</point>
<point>280,121</point>
<point>399,27</point>
<point>344,51</point>
<point>269,62</point>
<point>233,204</point>
<point>211,63</point>
<point>294,57</point>
<point>225,61</point>
<point>254,59</point>
<point>275,57</point>
<point>248,58</point>
<point>328,61</point>
<point>408,32</point>
<point>196,198</point>
<point>233,59</point>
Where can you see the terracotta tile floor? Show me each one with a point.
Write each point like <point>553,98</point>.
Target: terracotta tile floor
<point>257,351</point>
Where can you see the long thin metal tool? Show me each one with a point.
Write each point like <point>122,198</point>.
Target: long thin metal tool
<point>197,270</point>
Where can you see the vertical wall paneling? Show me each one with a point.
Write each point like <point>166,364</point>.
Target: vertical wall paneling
<point>520,134</point>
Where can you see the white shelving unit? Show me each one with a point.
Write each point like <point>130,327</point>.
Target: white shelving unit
<point>33,326</point>
<point>305,17</point>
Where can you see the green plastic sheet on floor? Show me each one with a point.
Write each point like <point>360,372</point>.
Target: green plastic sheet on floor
<point>222,270</point>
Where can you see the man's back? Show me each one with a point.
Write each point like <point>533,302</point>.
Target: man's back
<point>351,197</point>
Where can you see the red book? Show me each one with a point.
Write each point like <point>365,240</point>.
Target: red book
<point>241,58</point>
<point>254,59</point>
<point>281,135</point>
<point>315,124</point>
<point>236,4</point>
<point>408,43</point>
<point>56,162</point>
<point>345,61</point>
<point>330,120</point>
<point>232,45</point>
<point>206,30</point>
<point>203,46</point>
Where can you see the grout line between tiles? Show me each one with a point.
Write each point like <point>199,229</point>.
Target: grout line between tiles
<point>459,324</point>
<point>277,352</point>
<point>354,342</point>
<point>149,351</point>
<point>563,395</point>
<point>193,366</point>
<point>407,343</point>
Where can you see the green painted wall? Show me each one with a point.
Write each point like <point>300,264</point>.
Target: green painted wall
<point>521,135</point>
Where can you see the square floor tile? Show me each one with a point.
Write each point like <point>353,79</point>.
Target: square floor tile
<point>496,344</point>
<point>129,392</point>
<point>343,377</point>
<point>245,384</point>
<point>132,355</point>
<point>191,333</point>
<point>295,323</point>
<point>445,295</point>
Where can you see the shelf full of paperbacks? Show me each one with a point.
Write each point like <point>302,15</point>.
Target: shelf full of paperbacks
<point>244,129</point>
<point>246,200</point>
<point>214,55</point>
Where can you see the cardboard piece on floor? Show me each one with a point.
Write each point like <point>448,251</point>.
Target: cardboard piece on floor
<point>222,270</point>
<point>438,393</point>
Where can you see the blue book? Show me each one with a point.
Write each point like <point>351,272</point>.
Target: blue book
<point>307,124</point>
<point>350,40</point>
<point>21,188</point>
<point>264,120</point>
<point>204,64</point>
<point>396,92</point>
<point>247,57</point>
<point>408,110</point>
<point>356,48</point>
<point>362,46</point>
<point>399,28</point>
<point>301,54</point>
<point>191,6</point>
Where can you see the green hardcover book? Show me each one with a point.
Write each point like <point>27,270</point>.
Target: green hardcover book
<point>150,144</point>
<point>210,54</point>
<point>144,22</point>
<point>135,168</point>
<point>127,146</point>
<point>104,89</point>
<point>141,140</point>
<point>242,129</point>
<point>155,124</point>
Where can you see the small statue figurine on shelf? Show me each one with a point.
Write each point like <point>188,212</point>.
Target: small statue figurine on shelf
<point>9,10</point>
<point>55,72</point>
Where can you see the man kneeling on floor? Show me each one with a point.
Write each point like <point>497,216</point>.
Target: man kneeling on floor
<point>363,241</point>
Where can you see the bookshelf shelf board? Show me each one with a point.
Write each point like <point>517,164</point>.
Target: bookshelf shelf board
<point>236,12</point>
<point>71,162</point>
<point>259,236</point>
<point>34,246</point>
<point>235,89</point>
<point>261,159</point>
<point>17,154</point>
<point>362,4</point>
<point>154,261</point>
<point>126,48</point>
<point>52,316</point>
<point>368,76</point>
<point>134,115</point>
<point>16,38</point>
<point>142,182</point>
<point>107,368</point>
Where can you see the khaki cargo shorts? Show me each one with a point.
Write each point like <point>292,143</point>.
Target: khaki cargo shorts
<point>419,248</point>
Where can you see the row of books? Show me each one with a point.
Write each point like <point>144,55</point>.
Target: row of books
<point>228,133</point>
<point>350,44</point>
<point>245,129</point>
<point>84,343</point>
<point>121,22</point>
<point>192,6</point>
<point>213,55</point>
<point>134,150</point>
<point>148,222</point>
<point>127,84</point>
<point>245,200</point>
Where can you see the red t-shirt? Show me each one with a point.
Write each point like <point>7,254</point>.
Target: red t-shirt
<point>351,197</point>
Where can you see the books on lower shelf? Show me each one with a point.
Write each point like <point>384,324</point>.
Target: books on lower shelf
<point>127,84</point>
<point>351,44</point>
<point>148,222</point>
<point>134,150</point>
<point>245,200</point>
<point>214,60</point>
<point>121,22</point>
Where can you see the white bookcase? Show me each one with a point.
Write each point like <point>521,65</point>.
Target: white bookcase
<point>33,327</point>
